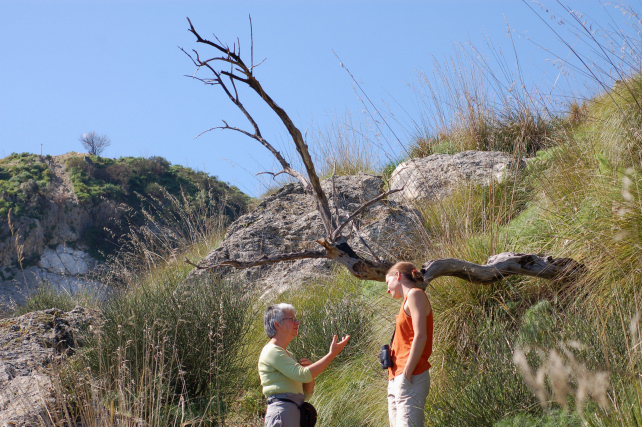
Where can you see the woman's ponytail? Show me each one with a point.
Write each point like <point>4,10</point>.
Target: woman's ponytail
<point>418,278</point>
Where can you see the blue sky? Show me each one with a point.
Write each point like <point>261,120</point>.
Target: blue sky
<point>68,67</point>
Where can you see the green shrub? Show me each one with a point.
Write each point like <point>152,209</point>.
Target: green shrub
<point>425,146</point>
<point>95,177</point>
<point>149,191</point>
<point>390,167</point>
<point>24,179</point>
<point>46,297</point>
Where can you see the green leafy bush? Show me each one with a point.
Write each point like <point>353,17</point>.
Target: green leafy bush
<point>96,177</point>
<point>23,182</point>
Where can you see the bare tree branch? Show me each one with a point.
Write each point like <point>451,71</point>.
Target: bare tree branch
<point>235,60</point>
<point>504,265</point>
<point>248,78</point>
<point>274,175</point>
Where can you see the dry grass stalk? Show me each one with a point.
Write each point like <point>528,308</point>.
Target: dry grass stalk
<point>567,377</point>
<point>347,147</point>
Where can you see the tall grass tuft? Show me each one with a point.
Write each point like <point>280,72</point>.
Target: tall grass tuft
<point>348,146</point>
<point>46,297</point>
<point>165,230</point>
<point>616,120</point>
<point>477,385</point>
<point>163,357</point>
<point>471,104</point>
<point>200,328</point>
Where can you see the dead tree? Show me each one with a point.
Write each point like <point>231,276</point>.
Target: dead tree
<point>227,69</point>
<point>95,144</point>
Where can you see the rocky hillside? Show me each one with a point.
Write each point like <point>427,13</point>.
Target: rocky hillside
<point>29,344</point>
<point>62,215</point>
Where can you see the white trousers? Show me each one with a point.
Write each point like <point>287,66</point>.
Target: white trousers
<point>406,400</point>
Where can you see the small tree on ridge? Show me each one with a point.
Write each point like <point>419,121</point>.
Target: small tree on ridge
<point>95,144</point>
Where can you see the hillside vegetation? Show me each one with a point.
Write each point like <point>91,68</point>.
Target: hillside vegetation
<point>134,188</point>
<point>520,352</point>
<point>23,178</point>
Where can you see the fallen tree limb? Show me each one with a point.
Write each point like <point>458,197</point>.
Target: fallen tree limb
<point>503,265</point>
<point>498,267</point>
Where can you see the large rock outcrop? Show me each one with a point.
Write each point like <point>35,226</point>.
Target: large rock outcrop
<point>29,344</point>
<point>288,221</point>
<point>436,176</point>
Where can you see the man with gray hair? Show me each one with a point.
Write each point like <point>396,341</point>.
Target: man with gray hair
<point>286,383</point>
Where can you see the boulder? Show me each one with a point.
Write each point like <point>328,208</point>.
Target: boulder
<point>29,344</point>
<point>436,176</point>
<point>62,268</point>
<point>66,260</point>
<point>288,221</point>
<point>45,246</point>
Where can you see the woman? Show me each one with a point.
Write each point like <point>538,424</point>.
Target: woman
<point>281,376</point>
<point>409,376</point>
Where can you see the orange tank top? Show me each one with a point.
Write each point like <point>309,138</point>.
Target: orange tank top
<point>400,348</point>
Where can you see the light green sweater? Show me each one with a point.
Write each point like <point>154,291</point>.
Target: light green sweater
<point>280,373</point>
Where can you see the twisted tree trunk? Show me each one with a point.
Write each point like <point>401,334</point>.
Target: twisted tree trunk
<point>232,71</point>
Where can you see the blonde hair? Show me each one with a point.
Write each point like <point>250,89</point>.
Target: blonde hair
<point>409,270</point>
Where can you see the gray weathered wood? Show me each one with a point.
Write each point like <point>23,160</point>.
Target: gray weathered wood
<point>504,265</point>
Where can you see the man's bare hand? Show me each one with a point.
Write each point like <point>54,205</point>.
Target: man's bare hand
<point>337,347</point>
<point>305,362</point>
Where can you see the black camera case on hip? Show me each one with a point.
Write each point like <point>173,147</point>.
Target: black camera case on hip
<point>384,357</point>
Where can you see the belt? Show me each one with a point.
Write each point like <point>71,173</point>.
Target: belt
<point>271,400</point>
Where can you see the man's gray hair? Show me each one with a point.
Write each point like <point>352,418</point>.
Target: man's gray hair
<point>274,313</point>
